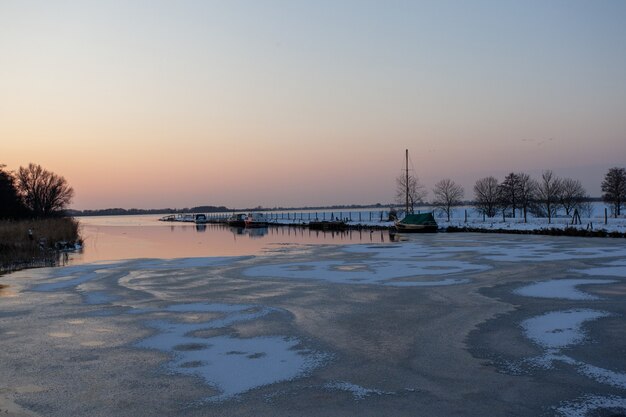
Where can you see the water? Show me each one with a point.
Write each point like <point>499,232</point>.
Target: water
<point>108,238</point>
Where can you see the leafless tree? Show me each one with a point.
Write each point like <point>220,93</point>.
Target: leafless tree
<point>527,192</point>
<point>509,192</point>
<point>548,191</point>
<point>447,194</point>
<point>572,195</point>
<point>614,189</point>
<point>416,191</point>
<point>486,196</point>
<point>43,192</point>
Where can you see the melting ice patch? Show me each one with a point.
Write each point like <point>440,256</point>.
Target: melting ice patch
<point>561,288</point>
<point>357,391</point>
<point>591,403</point>
<point>231,365</point>
<point>501,250</point>
<point>560,329</point>
<point>387,272</point>
<point>73,276</point>
<point>612,269</point>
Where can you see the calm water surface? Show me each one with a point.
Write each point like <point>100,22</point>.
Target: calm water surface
<point>109,238</point>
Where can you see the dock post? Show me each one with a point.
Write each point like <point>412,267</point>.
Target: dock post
<point>606,217</point>
<point>466,216</point>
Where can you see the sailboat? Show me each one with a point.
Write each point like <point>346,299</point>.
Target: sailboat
<point>414,223</point>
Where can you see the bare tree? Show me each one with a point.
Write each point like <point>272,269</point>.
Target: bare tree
<point>447,194</point>
<point>527,192</point>
<point>614,189</point>
<point>509,192</point>
<point>414,192</point>
<point>43,192</point>
<point>11,206</point>
<point>548,191</point>
<point>486,196</point>
<point>572,195</point>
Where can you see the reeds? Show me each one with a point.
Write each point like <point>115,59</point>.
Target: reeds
<point>19,248</point>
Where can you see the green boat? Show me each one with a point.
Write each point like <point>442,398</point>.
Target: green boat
<point>414,223</point>
<point>417,223</point>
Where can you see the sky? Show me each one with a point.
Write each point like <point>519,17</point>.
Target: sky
<point>154,103</point>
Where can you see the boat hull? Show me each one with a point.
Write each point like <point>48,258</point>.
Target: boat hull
<point>416,228</point>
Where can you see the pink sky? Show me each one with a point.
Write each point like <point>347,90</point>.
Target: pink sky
<point>240,104</point>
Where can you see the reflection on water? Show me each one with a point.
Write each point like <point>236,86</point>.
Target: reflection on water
<point>129,237</point>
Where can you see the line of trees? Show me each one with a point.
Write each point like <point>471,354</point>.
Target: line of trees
<point>33,192</point>
<point>519,193</point>
<point>541,197</point>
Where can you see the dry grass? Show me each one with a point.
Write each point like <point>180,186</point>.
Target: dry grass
<point>18,250</point>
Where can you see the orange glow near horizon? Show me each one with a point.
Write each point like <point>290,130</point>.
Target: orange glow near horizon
<point>205,104</point>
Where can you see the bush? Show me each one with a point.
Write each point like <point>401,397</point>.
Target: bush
<point>18,249</point>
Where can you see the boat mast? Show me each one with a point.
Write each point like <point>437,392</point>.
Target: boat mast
<point>407,182</point>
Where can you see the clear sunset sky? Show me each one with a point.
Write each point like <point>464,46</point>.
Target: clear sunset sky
<point>286,102</point>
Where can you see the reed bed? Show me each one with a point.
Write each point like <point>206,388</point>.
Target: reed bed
<point>19,249</point>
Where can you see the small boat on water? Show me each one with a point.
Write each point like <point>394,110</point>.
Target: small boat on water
<point>200,219</point>
<point>414,223</point>
<point>237,220</point>
<point>417,223</point>
<point>256,220</point>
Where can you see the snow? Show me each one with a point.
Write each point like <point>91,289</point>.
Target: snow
<point>604,376</point>
<point>590,403</point>
<point>357,391</point>
<point>73,276</point>
<point>561,288</point>
<point>501,249</point>
<point>384,272</point>
<point>612,269</point>
<point>593,220</point>
<point>232,365</point>
<point>560,329</point>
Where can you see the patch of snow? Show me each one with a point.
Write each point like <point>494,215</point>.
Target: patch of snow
<point>79,274</point>
<point>590,403</point>
<point>604,376</point>
<point>612,269</point>
<point>358,392</point>
<point>560,329</point>
<point>231,365</point>
<point>367,271</point>
<point>561,288</point>
<point>500,250</point>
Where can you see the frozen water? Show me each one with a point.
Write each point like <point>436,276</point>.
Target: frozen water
<point>561,288</point>
<point>612,269</point>
<point>358,392</point>
<point>588,404</point>
<point>231,365</point>
<point>560,329</point>
<point>368,271</point>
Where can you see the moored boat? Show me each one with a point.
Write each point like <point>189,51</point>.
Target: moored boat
<point>200,219</point>
<point>256,220</point>
<point>417,223</point>
<point>414,223</point>
<point>237,220</point>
